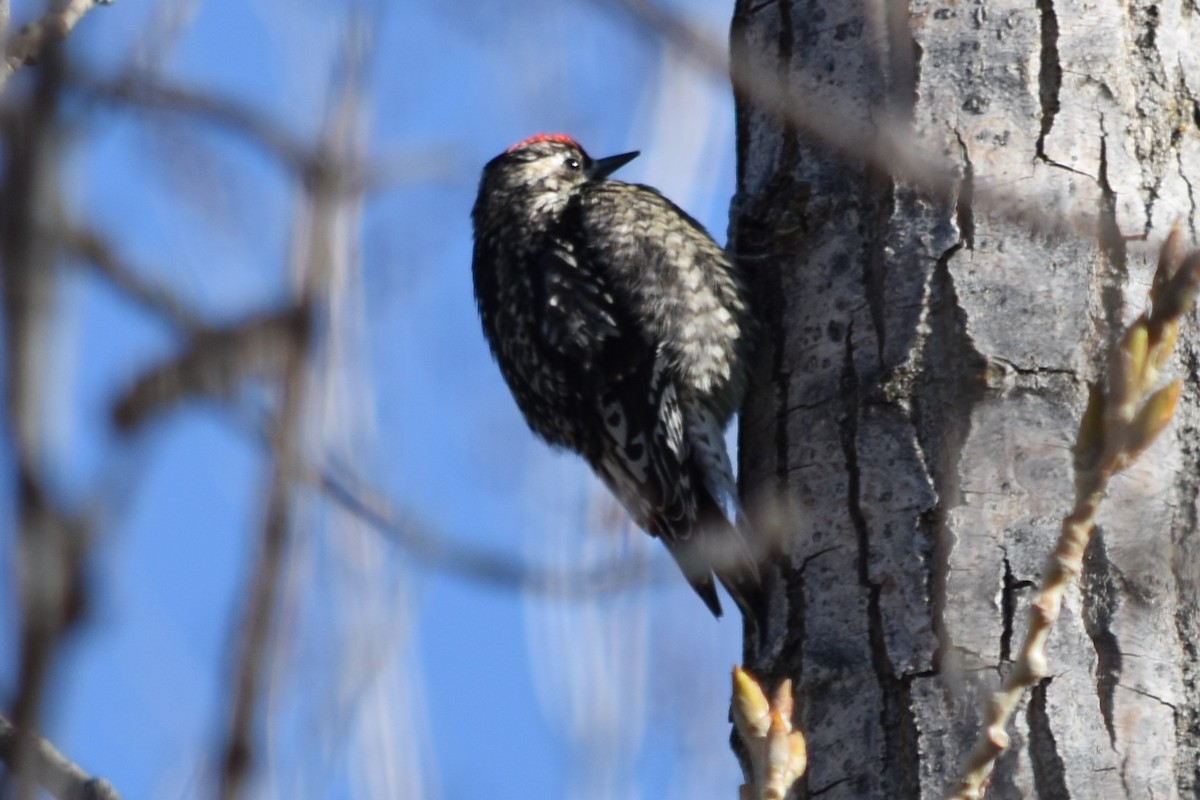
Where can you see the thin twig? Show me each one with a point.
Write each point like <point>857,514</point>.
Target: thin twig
<point>148,92</point>
<point>262,590</point>
<point>50,543</point>
<point>28,45</point>
<point>441,552</point>
<point>263,586</point>
<point>1122,419</point>
<point>51,769</point>
<point>90,246</point>
<point>319,219</point>
<point>4,17</point>
<point>216,362</point>
<point>354,176</point>
<point>417,538</point>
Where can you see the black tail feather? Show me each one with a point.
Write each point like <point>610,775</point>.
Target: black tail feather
<point>713,545</point>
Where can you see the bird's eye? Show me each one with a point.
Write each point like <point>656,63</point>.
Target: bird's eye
<point>573,164</point>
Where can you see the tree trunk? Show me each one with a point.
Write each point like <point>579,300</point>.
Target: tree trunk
<point>924,363</point>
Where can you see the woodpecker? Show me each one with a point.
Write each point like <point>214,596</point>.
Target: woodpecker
<point>620,327</point>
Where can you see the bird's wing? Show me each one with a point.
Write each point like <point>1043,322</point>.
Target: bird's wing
<point>646,460</point>
<point>660,449</point>
<point>663,265</point>
<point>578,313</point>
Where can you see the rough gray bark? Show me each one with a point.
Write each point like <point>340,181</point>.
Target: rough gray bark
<point>923,367</point>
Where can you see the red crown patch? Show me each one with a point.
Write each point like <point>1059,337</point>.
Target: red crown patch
<point>559,138</point>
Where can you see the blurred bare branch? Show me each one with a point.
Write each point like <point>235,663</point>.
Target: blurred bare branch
<point>262,588</point>
<point>50,543</point>
<point>263,585</point>
<point>887,144</point>
<point>439,551</point>
<point>217,360</point>
<point>147,92</point>
<point>28,45</point>
<point>52,770</point>
<point>353,176</point>
<point>415,537</point>
<point>215,363</point>
<point>4,16</point>
<point>317,226</point>
<point>162,32</point>
<point>100,254</point>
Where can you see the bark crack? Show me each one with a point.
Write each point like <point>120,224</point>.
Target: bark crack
<point>1112,242</point>
<point>1184,564</point>
<point>873,275</point>
<point>1008,608</point>
<point>1190,192</point>
<point>789,156</point>
<point>827,788</point>
<point>1150,695</point>
<point>901,755</point>
<point>1033,371</point>
<point>1101,595</point>
<point>1112,245</point>
<point>805,407</point>
<point>761,6</point>
<point>791,658</point>
<point>942,428</point>
<point>903,52</point>
<point>1049,775</point>
<point>1050,73</point>
<point>964,209</point>
<point>951,356</point>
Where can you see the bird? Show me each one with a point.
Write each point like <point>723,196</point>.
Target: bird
<point>621,329</point>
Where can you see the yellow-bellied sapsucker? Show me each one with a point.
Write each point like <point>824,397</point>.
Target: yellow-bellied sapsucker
<point>620,327</point>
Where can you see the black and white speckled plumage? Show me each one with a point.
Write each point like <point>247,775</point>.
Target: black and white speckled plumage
<point>620,327</point>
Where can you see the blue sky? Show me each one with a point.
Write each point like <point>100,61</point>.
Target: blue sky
<point>388,679</point>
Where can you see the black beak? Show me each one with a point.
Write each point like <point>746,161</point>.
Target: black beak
<point>603,167</point>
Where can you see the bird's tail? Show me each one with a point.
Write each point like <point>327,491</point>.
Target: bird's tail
<point>738,569</point>
<point>667,463</point>
<point>732,555</point>
<point>731,548</point>
<point>712,545</point>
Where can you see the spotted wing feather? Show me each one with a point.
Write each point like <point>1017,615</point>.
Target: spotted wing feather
<point>646,460</point>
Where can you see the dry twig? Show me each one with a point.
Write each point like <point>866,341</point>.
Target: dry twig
<point>50,542</point>
<point>416,537</point>
<point>263,586</point>
<point>28,45</point>
<point>319,221</point>
<point>89,246</point>
<point>149,92</point>
<point>262,589</point>
<point>442,552</point>
<point>1122,419</point>
<point>52,770</point>
<point>215,363</point>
